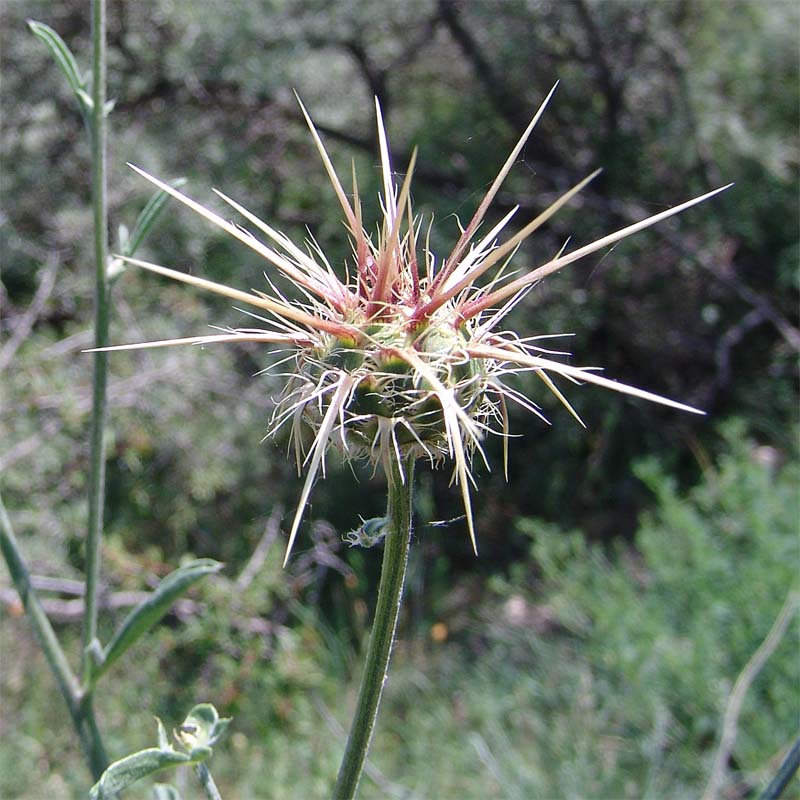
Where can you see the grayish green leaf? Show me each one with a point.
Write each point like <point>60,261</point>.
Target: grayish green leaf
<point>65,60</point>
<point>121,774</point>
<point>201,728</point>
<point>150,611</point>
<point>147,217</point>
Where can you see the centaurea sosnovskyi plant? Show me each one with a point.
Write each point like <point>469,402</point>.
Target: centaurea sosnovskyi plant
<point>399,356</point>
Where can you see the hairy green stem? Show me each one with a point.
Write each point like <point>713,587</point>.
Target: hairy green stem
<point>207,782</point>
<point>101,303</point>
<point>56,659</point>
<point>390,593</point>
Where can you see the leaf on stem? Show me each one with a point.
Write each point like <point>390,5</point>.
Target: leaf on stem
<point>147,217</point>
<point>201,729</point>
<point>121,774</point>
<point>129,242</point>
<point>150,611</point>
<point>66,62</point>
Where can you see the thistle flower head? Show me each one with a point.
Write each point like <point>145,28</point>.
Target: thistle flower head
<point>398,354</point>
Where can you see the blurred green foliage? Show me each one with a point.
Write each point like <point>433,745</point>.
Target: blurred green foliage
<point>581,672</point>
<point>671,99</point>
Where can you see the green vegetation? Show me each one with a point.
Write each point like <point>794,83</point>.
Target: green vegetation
<point>627,573</point>
<point>581,672</point>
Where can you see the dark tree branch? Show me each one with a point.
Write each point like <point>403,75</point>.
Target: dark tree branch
<point>24,324</point>
<point>415,44</point>
<point>429,173</point>
<point>374,76</point>
<point>504,98</point>
<point>610,86</point>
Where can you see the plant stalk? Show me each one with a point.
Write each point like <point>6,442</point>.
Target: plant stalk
<point>207,782</point>
<point>390,594</point>
<point>786,771</point>
<point>56,659</point>
<point>101,310</point>
<point>98,760</point>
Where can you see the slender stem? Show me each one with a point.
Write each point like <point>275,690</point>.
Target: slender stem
<point>207,782</point>
<point>56,659</point>
<point>101,303</point>
<point>96,751</point>
<point>67,682</point>
<point>78,699</point>
<point>784,774</point>
<point>98,760</point>
<point>390,593</point>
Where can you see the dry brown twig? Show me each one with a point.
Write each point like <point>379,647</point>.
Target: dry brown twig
<point>746,677</point>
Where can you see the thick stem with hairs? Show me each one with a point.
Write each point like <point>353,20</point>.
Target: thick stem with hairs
<point>390,593</point>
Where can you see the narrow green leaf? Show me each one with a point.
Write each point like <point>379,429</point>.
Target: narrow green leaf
<point>65,60</point>
<point>147,217</point>
<point>150,611</point>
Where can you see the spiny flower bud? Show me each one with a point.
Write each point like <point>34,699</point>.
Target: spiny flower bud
<point>397,357</point>
<point>394,408</point>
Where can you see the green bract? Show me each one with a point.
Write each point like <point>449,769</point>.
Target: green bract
<point>391,404</point>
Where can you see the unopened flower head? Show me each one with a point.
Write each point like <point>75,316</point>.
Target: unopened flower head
<point>398,354</point>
